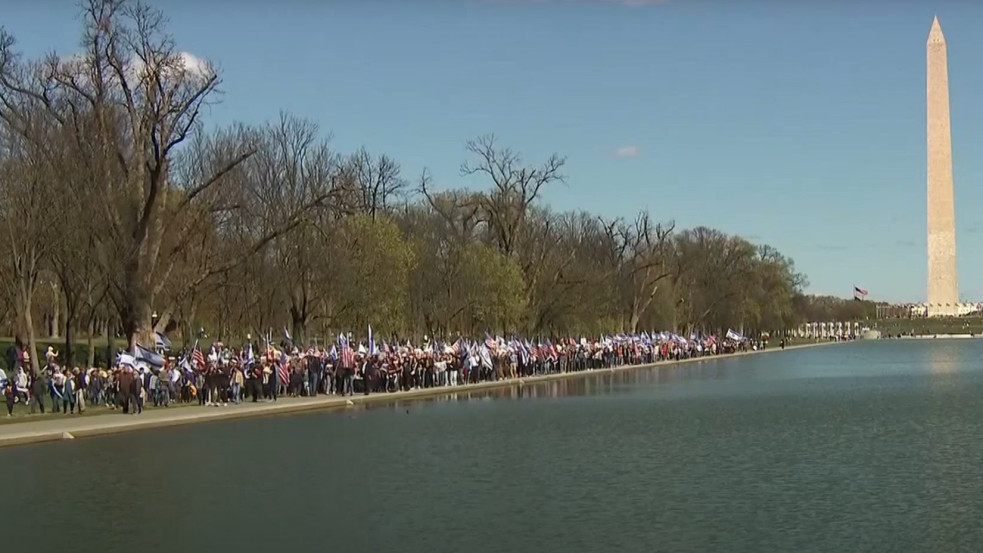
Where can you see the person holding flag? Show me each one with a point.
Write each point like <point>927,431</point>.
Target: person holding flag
<point>346,362</point>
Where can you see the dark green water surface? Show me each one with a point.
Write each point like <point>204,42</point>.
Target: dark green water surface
<point>871,446</point>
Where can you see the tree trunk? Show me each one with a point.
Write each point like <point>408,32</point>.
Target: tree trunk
<point>164,319</point>
<point>91,358</point>
<point>22,305</point>
<point>32,345</point>
<point>139,325</point>
<point>298,324</point>
<point>69,357</point>
<point>190,328</point>
<point>55,310</point>
<point>110,344</point>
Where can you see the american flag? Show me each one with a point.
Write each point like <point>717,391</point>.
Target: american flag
<point>347,357</point>
<point>284,368</point>
<point>859,293</point>
<point>197,358</point>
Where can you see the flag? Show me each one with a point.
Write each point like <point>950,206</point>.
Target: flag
<point>485,355</point>
<point>197,357</point>
<point>859,293</point>
<point>346,355</point>
<point>284,369</point>
<point>372,350</point>
<point>287,336</point>
<point>161,341</point>
<point>731,335</point>
<point>151,358</point>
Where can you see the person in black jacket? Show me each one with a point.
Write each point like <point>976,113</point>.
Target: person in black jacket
<point>10,395</point>
<point>37,392</point>
<point>314,368</point>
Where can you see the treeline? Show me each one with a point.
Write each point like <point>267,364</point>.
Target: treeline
<point>831,308</point>
<point>121,212</point>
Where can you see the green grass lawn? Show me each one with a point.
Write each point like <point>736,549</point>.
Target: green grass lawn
<point>923,327</point>
<point>80,349</point>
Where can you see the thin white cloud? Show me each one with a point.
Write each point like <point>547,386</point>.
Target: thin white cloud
<point>186,64</point>
<point>182,65</point>
<point>626,151</point>
<point>195,65</point>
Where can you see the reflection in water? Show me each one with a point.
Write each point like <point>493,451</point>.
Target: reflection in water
<point>597,382</point>
<point>942,358</point>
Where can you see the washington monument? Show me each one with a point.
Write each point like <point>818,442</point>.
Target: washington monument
<point>943,288</point>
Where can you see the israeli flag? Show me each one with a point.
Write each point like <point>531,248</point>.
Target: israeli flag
<point>162,342</point>
<point>151,358</point>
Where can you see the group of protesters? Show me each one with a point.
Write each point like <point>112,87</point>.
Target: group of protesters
<point>227,375</point>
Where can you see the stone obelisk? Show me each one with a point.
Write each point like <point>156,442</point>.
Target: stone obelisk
<point>943,290</point>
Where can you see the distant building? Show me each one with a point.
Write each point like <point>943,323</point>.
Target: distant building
<point>920,310</point>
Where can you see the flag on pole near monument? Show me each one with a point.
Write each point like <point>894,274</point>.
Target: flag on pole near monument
<point>859,293</point>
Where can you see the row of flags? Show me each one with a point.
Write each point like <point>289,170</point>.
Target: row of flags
<point>344,353</point>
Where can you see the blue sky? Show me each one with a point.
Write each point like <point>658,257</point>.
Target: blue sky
<point>797,124</point>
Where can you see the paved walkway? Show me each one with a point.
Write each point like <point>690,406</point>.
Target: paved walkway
<point>40,430</point>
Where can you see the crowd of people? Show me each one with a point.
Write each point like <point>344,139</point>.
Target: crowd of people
<point>230,376</point>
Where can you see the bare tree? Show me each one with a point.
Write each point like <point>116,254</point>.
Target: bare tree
<point>515,187</point>
<point>294,165</point>
<point>377,181</point>
<point>645,261</point>
<point>25,181</point>
<point>143,99</point>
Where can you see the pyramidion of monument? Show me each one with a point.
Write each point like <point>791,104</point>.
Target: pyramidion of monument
<point>935,34</point>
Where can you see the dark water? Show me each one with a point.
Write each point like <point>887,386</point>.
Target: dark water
<point>861,447</point>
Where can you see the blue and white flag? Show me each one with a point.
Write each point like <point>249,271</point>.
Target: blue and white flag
<point>485,355</point>
<point>287,336</point>
<point>731,335</point>
<point>162,342</point>
<point>151,358</point>
<point>372,350</point>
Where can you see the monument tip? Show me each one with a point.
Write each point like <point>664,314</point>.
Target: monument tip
<point>935,35</point>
